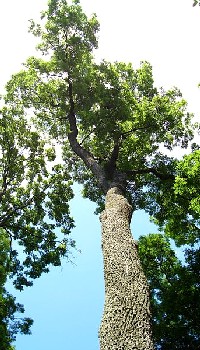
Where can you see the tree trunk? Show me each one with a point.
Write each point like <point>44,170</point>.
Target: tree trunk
<point>126,320</point>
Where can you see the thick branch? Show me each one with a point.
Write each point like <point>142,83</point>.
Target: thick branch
<point>110,165</point>
<point>157,173</point>
<point>84,154</point>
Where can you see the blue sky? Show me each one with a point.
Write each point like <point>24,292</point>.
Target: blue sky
<point>67,303</point>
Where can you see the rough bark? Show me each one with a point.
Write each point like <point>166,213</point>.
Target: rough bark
<point>126,320</point>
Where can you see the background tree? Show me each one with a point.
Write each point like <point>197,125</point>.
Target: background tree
<point>181,224</point>
<point>112,121</point>
<point>33,206</point>
<point>176,325</point>
<point>175,293</point>
<point>10,322</point>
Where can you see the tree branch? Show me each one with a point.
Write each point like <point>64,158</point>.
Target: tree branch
<point>6,169</point>
<point>4,186</point>
<point>153,171</point>
<point>13,211</point>
<point>110,165</point>
<point>126,133</point>
<point>84,154</point>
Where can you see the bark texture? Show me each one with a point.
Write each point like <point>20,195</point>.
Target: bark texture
<point>126,320</point>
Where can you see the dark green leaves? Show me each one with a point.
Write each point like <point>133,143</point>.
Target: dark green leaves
<point>180,220</point>
<point>175,293</point>
<point>10,310</point>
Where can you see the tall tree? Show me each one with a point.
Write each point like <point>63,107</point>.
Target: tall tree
<point>112,122</point>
